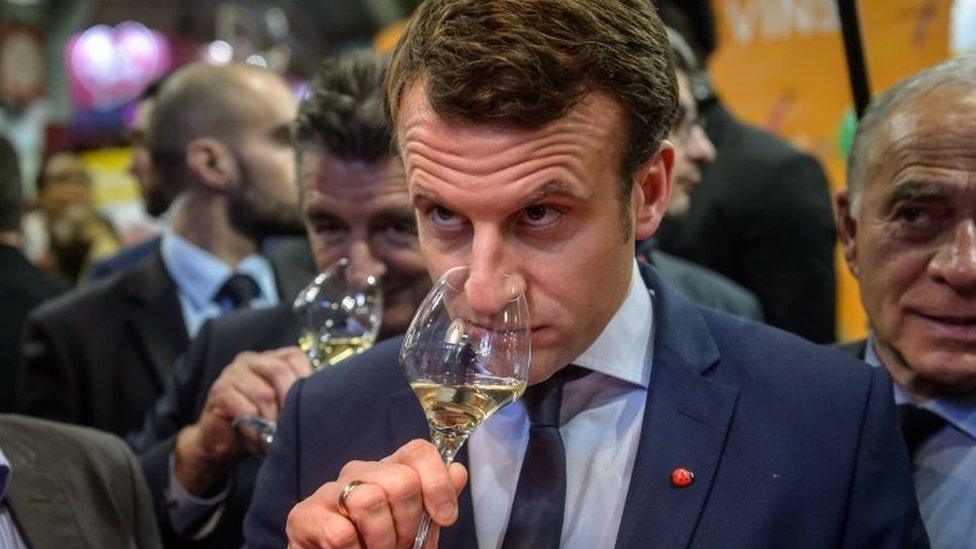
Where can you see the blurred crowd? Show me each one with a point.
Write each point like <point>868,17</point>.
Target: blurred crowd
<point>165,343</point>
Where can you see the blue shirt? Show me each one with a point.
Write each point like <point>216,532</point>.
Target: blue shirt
<point>199,275</point>
<point>601,419</point>
<point>945,467</point>
<point>10,537</point>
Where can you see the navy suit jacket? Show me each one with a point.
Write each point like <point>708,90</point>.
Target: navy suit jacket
<point>122,260</point>
<point>792,444</point>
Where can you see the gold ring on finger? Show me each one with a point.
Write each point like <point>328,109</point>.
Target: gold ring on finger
<point>344,495</point>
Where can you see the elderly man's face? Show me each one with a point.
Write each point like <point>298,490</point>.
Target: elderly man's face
<point>541,206</point>
<point>362,212</point>
<point>912,245</point>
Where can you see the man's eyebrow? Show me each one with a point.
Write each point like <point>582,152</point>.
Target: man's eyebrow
<point>318,214</point>
<point>419,191</point>
<point>914,190</point>
<point>551,188</point>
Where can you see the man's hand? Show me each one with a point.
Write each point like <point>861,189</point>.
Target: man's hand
<point>386,510</point>
<point>253,384</point>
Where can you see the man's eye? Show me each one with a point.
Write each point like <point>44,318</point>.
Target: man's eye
<point>910,215</point>
<point>445,219</point>
<point>540,215</point>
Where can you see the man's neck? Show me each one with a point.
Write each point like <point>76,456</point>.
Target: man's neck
<point>203,220</point>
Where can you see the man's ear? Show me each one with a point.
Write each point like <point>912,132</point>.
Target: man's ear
<point>212,163</point>
<point>846,229</point>
<point>652,191</point>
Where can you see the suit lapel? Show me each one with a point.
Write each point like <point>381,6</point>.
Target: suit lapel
<point>39,504</point>
<point>686,420</point>
<point>403,427</point>
<point>155,316</point>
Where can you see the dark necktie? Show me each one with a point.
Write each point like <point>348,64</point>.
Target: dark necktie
<point>918,425</point>
<point>536,520</point>
<point>237,292</point>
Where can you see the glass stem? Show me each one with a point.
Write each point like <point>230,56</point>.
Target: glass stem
<point>448,447</point>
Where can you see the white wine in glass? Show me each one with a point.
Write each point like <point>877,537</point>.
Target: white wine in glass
<point>340,318</point>
<point>466,354</point>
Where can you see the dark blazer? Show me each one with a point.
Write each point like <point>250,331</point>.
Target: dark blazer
<point>75,487</point>
<point>122,260</point>
<point>22,288</point>
<point>218,342</point>
<point>762,216</point>
<point>792,444</point>
<point>857,348</point>
<point>99,356</point>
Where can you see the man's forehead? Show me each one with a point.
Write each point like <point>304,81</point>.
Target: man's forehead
<point>352,179</point>
<point>929,137</point>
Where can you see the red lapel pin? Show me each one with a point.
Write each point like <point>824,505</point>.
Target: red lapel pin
<point>682,478</point>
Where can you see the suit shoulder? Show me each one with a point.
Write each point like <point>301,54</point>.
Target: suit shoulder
<point>707,287</point>
<point>373,373</point>
<point>253,319</point>
<point>65,443</point>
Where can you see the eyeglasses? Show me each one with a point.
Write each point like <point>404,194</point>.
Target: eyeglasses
<point>684,123</point>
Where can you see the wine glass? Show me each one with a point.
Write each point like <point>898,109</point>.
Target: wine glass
<point>340,318</point>
<point>466,354</point>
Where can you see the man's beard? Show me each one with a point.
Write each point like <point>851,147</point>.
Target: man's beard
<point>258,216</point>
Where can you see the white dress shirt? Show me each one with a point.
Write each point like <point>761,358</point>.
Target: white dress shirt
<point>601,417</point>
<point>199,275</point>
<point>944,466</point>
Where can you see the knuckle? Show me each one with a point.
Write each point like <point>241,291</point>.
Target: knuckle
<point>351,468</point>
<point>338,532</point>
<point>415,450</point>
<point>404,484</point>
<point>366,500</point>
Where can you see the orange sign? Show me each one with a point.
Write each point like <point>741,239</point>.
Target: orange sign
<point>781,66</point>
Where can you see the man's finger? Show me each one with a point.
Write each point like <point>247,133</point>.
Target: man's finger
<point>278,373</point>
<point>438,486</point>
<point>370,511</point>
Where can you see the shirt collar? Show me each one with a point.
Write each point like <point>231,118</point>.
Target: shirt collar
<point>959,410</point>
<point>5,472</point>
<point>614,353</point>
<point>199,274</point>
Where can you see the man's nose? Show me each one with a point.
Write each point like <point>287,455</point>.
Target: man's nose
<point>700,147</point>
<point>363,264</point>
<point>493,278</point>
<point>955,261</point>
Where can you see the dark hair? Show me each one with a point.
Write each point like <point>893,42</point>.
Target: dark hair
<point>524,63</point>
<point>343,110</point>
<point>695,21</point>
<point>11,188</point>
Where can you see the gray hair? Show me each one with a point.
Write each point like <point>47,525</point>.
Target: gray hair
<point>956,73</point>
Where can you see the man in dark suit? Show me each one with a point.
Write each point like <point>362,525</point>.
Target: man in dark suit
<point>693,151</point>
<point>356,206</point>
<point>99,356</point>
<point>544,161</point>
<point>22,285</point>
<point>66,486</point>
<point>908,235</point>
<point>761,214</point>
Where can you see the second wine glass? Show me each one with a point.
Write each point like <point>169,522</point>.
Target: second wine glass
<point>340,317</point>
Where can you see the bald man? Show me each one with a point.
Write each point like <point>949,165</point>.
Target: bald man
<point>99,356</point>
